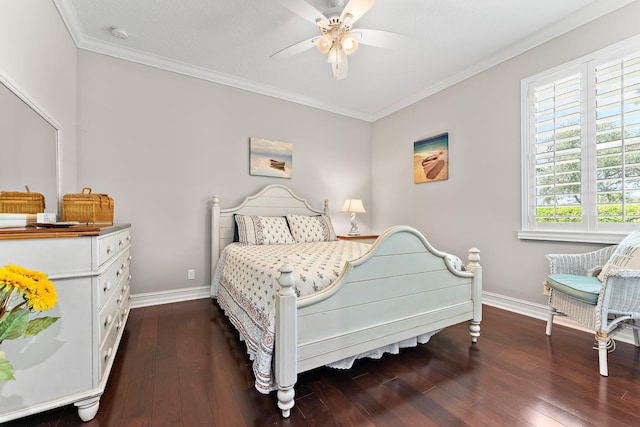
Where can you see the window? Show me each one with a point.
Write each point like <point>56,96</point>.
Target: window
<point>581,148</point>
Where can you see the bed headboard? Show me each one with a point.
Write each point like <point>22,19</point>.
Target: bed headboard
<point>273,200</point>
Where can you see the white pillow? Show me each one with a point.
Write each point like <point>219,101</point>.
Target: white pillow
<point>306,229</point>
<point>626,255</point>
<point>263,230</point>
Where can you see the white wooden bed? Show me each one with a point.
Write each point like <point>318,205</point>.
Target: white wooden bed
<point>400,288</point>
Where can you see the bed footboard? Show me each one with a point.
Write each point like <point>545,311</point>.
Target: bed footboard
<point>401,288</point>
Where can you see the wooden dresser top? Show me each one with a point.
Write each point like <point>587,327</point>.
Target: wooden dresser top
<point>51,232</point>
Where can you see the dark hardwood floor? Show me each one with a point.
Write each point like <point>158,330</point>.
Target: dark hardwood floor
<point>182,365</point>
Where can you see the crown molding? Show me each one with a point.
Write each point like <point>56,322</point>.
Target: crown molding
<point>550,32</point>
<point>70,18</point>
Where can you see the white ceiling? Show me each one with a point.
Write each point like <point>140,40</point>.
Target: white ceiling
<point>231,42</point>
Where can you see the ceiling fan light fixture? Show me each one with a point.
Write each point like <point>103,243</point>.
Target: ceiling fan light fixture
<point>336,39</point>
<point>332,57</point>
<point>323,43</point>
<point>336,54</point>
<point>349,44</point>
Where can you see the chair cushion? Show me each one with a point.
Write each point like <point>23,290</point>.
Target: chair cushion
<point>584,288</point>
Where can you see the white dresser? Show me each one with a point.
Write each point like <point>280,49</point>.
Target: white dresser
<point>70,361</point>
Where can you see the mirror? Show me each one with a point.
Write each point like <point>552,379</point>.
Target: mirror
<point>29,147</point>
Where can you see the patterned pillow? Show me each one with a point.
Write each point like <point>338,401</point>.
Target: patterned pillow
<point>626,255</point>
<point>306,229</point>
<point>263,230</point>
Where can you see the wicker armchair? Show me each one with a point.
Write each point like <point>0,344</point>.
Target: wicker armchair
<point>617,305</point>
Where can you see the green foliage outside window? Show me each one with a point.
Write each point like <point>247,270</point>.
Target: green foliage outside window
<point>606,213</point>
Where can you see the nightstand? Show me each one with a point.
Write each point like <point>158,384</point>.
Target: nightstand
<point>364,238</point>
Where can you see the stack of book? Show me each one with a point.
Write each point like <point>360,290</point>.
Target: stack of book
<point>14,220</point>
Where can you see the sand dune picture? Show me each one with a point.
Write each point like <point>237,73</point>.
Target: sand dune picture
<point>431,159</point>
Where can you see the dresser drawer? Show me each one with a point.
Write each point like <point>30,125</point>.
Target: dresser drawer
<point>109,315</point>
<point>108,349</point>
<point>106,248</point>
<point>122,239</point>
<point>110,280</point>
<point>125,305</point>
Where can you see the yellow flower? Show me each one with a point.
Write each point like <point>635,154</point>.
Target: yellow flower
<point>32,274</point>
<point>41,296</point>
<point>35,286</point>
<point>23,291</point>
<point>14,280</point>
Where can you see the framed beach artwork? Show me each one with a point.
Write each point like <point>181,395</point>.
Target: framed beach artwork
<point>270,158</point>
<point>431,159</point>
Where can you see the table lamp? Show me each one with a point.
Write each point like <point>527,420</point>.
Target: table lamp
<point>353,206</point>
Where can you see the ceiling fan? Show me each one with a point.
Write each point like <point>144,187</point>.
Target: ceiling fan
<point>337,37</point>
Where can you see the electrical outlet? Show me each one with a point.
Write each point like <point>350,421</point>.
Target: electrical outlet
<point>191,274</point>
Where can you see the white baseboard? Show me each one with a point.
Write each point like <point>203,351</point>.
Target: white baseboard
<point>526,308</point>
<point>166,297</point>
<point>540,311</point>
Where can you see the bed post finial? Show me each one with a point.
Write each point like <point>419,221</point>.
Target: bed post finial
<point>326,207</point>
<point>286,349</point>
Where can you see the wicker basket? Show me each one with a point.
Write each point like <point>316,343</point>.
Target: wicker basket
<point>21,202</point>
<point>87,207</point>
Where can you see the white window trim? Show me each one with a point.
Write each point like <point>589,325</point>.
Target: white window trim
<point>530,229</point>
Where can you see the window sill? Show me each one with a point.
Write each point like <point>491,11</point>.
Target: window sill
<point>568,236</point>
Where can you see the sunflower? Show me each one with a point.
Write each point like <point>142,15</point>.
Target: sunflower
<point>32,274</point>
<point>10,279</point>
<point>41,296</point>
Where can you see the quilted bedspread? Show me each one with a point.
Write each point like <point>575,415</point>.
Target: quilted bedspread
<point>245,284</point>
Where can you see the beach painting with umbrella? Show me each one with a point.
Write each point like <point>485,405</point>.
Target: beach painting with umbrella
<point>431,159</point>
<point>270,158</point>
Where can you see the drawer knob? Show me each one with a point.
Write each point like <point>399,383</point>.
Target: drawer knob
<point>108,353</point>
<point>107,286</point>
<point>107,320</point>
<point>120,242</point>
<point>109,249</point>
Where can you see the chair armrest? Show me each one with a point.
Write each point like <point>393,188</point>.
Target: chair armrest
<point>584,264</point>
<point>621,294</point>
<point>622,290</point>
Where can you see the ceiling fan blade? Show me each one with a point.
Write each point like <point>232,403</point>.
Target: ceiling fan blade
<point>306,11</point>
<point>379,38</point>
<point>356,8</point>
<point>294,49</point>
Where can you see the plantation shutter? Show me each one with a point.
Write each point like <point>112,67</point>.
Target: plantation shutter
<point>617,93</point>
<point>556,128</point>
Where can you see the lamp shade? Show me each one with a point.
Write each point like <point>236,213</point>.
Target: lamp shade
<point>323,43</point>
<point>353,206</point>
<point>349,44</point>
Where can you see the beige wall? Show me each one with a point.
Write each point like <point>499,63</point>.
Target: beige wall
<point>38,55</point>
<point>480,203</point>
<point>162,144</point>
